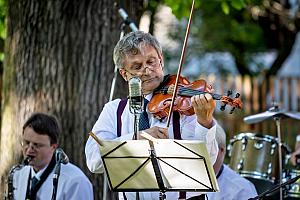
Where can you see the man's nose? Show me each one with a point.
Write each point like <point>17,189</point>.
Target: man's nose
<point>30,147</point>
<point>147,70</point>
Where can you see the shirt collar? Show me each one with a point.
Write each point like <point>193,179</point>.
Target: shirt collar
<point>38,174</point>
<point>148,96</point>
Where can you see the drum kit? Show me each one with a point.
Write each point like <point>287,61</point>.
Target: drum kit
<point>258,158</point>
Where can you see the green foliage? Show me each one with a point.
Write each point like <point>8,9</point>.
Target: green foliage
<point>181,8</point>
<point>238,4</point>
<point>2,19</point>
<point>225,7</point>
<point>2,29</point>
<point>220,26</point>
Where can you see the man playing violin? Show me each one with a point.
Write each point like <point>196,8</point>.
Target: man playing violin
<point>139,54</point>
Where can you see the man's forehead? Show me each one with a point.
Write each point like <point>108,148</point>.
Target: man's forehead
<point>144,51</point>
<point>29,134</point>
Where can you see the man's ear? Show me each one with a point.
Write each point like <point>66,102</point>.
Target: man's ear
<point>161,60</point>
<point>54,146</point>
<point>222,149</point>
<point>122,72</point>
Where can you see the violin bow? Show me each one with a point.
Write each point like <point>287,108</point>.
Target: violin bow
<point>187,32</point>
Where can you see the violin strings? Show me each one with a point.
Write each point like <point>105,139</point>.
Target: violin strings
<point>190,92</point>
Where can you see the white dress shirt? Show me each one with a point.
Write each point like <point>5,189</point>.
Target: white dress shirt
<point>106,129</point>
<point>233,187</point>
<point>72,184</point>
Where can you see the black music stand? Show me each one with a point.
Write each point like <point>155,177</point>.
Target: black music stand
<point>163,165</point>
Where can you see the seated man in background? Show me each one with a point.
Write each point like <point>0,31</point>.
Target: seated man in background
<point>232,185</point>
<point>35,181</point>
<point>295,157</point>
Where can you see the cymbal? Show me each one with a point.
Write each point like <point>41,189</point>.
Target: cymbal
<point>271,113</point>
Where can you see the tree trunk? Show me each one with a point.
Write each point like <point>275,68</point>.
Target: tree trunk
<point>58,61</point>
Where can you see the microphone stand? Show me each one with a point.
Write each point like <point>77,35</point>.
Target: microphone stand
<point>126,22</point>
<point>137,115</point>
<point>279,186</point>
<point>55,179</point>
<point>113,83</point>
<point>136,124</point>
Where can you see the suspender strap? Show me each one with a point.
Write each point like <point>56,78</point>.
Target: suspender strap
<point>176,125</point>
<point>120,110</point>
<point>182,195</point>
<point>177,136</point>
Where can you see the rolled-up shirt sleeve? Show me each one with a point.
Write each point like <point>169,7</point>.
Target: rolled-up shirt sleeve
<point>103,129</point>
<point>209,137</point>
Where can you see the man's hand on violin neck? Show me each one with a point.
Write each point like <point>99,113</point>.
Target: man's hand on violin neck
<point>204,107</point>
<point>156,132</point>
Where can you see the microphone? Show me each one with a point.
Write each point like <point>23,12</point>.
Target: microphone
<point>127,20</point>
<point>61,156</point>
<point>136,102</point>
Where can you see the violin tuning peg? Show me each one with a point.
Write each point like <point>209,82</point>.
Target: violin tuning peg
<point>222,108</point>
<point>232,110</point>
<point>237,95</point>
<point>229,92</point>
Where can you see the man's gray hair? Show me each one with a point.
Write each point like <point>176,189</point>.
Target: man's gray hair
<point>221,136</point>
<point>131,44</point>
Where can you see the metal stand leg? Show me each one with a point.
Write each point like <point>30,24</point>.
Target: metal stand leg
<point>277,120</point>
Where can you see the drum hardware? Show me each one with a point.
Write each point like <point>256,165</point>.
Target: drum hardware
<point>240,165</point>
<point>275,188</point>
<point>277,121</point>
<point>244,142</point>
<point>293,189</point>
<point>277,114</point>
<point>258,145</point>
<point>273,147</point>
<point>229,150</point>
<point>269,169</point>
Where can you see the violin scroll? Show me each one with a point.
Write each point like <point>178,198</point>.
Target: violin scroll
<point>234,103</point>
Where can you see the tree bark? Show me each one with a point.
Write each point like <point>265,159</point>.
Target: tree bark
<point>58,61</point>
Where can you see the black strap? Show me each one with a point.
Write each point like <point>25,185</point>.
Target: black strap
<point>32,194</point>
<point>220,171</point>
<point>199,197</point>
<point>120,110</point>
<point>176,125</point>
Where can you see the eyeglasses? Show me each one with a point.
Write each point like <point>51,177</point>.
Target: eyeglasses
<point>35,146</point>
<point>138,69</point>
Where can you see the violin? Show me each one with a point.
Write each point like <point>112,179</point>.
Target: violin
<point>160,103</point>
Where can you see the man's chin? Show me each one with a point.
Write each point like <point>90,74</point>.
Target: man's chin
<point>150,86</point>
